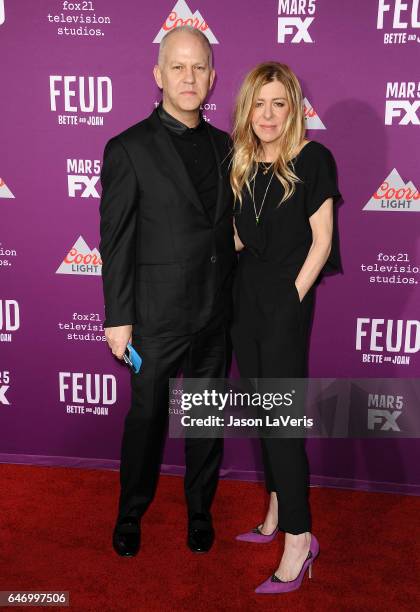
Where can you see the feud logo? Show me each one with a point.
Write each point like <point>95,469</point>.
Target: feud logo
<point>80,100</point>
<point>81,94</point>
<point>9,315</point>
<point>86,388</point>
<point>294,19</point>
<point>388,335</point>
<point>398,15</point>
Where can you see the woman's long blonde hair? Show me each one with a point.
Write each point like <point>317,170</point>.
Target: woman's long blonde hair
<point>246,145</point>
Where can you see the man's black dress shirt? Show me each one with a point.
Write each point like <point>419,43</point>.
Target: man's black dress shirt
<point>196,151</point>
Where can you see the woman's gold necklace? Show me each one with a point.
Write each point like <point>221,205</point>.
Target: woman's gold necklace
<point>266,168</point>
<point>258,215</point>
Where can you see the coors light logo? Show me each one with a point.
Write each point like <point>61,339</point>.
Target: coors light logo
<point>4,190</point>
<point>394,195</point>
<point>81,260</point>
<point>313,121</point>
<point>182,15</point>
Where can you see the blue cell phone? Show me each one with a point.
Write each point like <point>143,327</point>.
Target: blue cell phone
<point>132,358</point>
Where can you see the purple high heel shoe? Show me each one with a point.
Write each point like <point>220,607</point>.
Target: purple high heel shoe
<point>257,537</point>
<point>275,585</point>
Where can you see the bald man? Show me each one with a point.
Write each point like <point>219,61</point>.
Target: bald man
<point>168,253</point>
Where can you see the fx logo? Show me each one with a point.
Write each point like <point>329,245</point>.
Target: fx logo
<point>386,417</point>
<point>3,398</point>
<point>2,15</point>
<point>395,108</point>
<point>84,184</point>
<point>4,378</point>
<point>287,25</point>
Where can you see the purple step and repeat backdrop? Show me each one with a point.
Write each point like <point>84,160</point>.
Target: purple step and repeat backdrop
<point>76,73</point>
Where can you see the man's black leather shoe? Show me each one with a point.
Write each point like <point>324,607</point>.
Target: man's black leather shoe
<point>126,538</point>
<point>200,535</point>
<point>200,540</point>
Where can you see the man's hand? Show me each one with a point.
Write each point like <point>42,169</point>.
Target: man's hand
<point>118,338</point>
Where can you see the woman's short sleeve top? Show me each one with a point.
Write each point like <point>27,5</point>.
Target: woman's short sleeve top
<point>283,233</point>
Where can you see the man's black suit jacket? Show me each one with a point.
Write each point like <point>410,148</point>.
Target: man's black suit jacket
<point>167,266</point>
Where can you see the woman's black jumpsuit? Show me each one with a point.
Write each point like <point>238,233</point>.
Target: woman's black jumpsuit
<point>270,331</point>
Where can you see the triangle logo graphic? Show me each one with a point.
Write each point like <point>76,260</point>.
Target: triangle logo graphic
<point>395,195</point>
<point>313,121</point>
<point>182,15</point>
<point>4,190</point>
<point>81,260</point>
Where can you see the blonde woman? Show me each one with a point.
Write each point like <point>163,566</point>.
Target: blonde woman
<point>285,187</point>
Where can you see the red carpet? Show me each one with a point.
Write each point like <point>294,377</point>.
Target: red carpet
<point>56,526</point>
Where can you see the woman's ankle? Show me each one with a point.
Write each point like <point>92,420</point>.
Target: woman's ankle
<point>297,540</point>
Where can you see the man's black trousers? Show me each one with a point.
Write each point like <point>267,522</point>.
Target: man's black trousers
<point>203,354</point>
